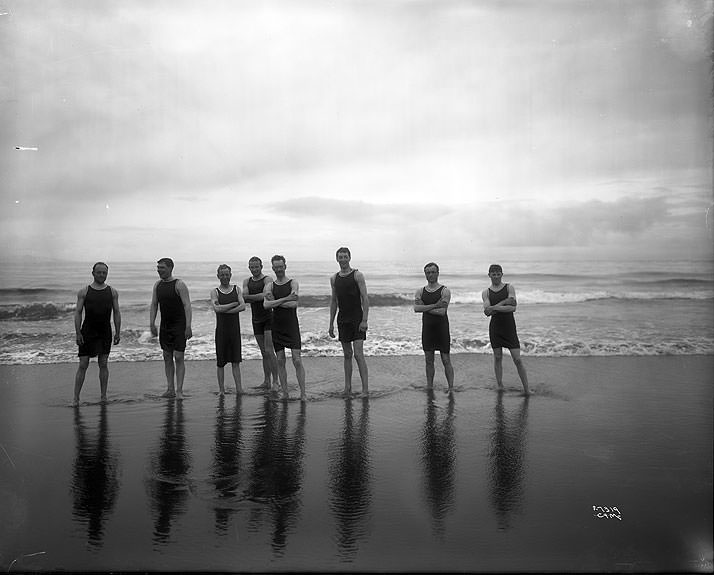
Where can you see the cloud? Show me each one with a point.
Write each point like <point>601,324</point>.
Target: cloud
<point>356,211</point>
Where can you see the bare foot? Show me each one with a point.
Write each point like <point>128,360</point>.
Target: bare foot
<point>75,402</point>
<point>239,391</point>
<point>179,396</point>
<point>103,399</point>
<point>169,393</point>
<point>303,397</point>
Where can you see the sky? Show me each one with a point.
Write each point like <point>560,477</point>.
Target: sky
<point>400,128</point>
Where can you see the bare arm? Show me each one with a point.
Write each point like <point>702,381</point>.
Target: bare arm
<point>487,308</point>
<point>291,300</point>
<point>249,298</point>
<point>504,306</point>
<point>333,306</point>
<point>116,315</point>
<point>153,310</point>
<point>239,306</point>
<point>269,301</point>
<point>81,294</point>
<point>182,290</point>
<point>364,298</point>
<point>442,305</point>
<point>226,307</point>
<point>438,308</point>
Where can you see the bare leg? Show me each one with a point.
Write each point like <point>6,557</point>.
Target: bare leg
<point>282,372</point>
<point>270,362</point>
<point>498,366</point>
<point>267,371</point>
<point>79,377</point>
<point>180,373</point>
<point>235,366</point>
<point>221,376</point>
<point>103,376</point>
<point>429,359</point>
<point>272,359</point>
<point>516,356</point>
<point>170,370</point>
<point>448,369</point>
<point>299,372</point>
<point>362,365</point>
<point>348,354</point>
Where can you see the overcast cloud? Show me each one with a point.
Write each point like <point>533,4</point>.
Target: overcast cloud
<point>302,125</point>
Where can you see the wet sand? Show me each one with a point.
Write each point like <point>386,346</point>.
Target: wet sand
<point>406,480</point>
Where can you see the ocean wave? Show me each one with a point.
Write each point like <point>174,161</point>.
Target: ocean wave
<point>140,345</point>
<point>39,311</point>
<point>36,311</point>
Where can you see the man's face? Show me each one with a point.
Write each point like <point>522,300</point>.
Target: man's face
<point>255,268</point>
<point>431,274</point>
<point>343,258</point>
<point>163,270</point>
<point>496,276</point>
<point>224,276</point>
<point>100,274</point>
<point>279,268</point>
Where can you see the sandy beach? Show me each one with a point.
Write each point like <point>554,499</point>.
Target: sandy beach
<point>608,467</point>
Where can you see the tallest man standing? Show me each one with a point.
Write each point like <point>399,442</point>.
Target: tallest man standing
<point>170,296</point>
<point>349,294</point>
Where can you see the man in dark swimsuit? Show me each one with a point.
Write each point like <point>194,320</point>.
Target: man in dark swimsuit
<point>262,321</point>
<point>432,301</point>
<point>499,303</point>
<point>99,301</point>
<point>227,302</point>
<point>170,296</point>
<point>349,294</point>
<point>281,296</point>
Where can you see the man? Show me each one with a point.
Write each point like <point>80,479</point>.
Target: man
<point>281,296</point>
<point>499,302</point>
<point>349,294</point>
<point>262,321</point>
<point>432,301</point>
<point>170,296</point>
<point>99,302</point>
<point>227,302</point>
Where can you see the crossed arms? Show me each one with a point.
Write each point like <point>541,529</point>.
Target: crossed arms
<point>438,308</point>
<point>289,301</point>
<point>233,307</point>
<point>507,305</point>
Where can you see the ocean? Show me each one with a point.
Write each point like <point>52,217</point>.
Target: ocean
<point>584,308</point>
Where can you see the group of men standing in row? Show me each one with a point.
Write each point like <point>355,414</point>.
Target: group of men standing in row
<point>274,305</point>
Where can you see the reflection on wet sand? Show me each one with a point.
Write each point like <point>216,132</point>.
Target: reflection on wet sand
<point>226,471</point>
<point>350,487</point>
<point>95,485</point>
<point>438,457</point>
<point>277,471</point>
<point>506,459</point>
<point>169,467</point>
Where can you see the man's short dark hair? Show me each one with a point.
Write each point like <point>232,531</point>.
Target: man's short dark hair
<point>224,267</point>
<point>255,259</point>
<point>495,268</point>
<point>94,267</point>
<point>431,265</point>
<point>277,257</point>
<point>343,250</point>
<point>168,262</point>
